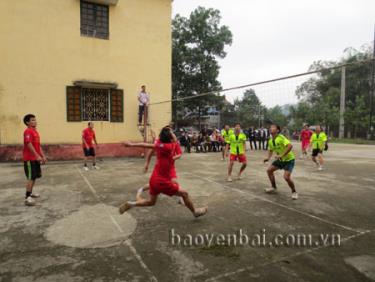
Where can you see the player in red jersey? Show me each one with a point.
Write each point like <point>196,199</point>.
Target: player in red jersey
<point>161,181</point>
<point>305,137</point>
<point>33,156</point>
<point>88,136</point>
<point>177,153</point>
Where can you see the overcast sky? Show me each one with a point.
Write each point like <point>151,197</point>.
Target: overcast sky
<point>274,38</point>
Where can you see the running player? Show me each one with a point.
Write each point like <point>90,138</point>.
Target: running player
<point>284,159</point>
<point>237,143</point>
<point>88,135</point>
<point>225,133</point>
<point>160,181</point>
<point>33,156</point>
<point>318,143</point>
<point>305,137</point>
<point>177,153</point>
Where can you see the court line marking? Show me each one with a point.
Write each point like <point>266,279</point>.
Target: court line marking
<point>118,227</point>
<point>277,204</point>
<point>240,270</point>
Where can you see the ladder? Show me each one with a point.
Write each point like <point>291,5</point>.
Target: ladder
<point>145,127</point>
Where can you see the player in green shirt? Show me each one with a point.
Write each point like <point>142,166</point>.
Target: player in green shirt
<point>284,159</point>
<point>225,133</point>
<point>318,143</point>
<point>237,144</point>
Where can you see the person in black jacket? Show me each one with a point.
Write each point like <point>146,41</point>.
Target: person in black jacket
<point>252,138</point>
<point>261,138</point>
<point>185,141</point>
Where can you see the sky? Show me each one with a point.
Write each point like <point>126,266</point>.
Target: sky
<point>276,38</point>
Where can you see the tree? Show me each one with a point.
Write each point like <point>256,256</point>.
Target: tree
<point>197,44</point>
<point>276,115</point>
<point>320,95</point>
<point>248,108</point>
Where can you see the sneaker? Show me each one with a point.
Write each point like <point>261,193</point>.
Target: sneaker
<point>85,168</point>
<point>200,212</point>
<point>95,167</point>
<point>222,159</point>
<point>29,201</point>
<point>320,168</point>
<point>124,207</point>
<point>140,191</point>
<point>239,177</point>
<point>270,190</point>
<point>180,201</point>
<point>229,179</point>
<point>34,195</point>
<point>294,195</point>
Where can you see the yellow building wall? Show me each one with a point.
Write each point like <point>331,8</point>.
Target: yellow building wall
<point>42,51</point>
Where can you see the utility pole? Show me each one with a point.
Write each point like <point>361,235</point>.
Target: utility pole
<point>370,134</point>
<point>342,104</point>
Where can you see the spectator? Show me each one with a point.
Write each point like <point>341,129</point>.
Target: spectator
<point>285,132</point>
<point>221,142</point>
<point>262,138</point>
<point>201,142</point>
<point>252,138</point>
<point>214,141</point>
<point>268,135</point>
<point>195,142</point>
<point>185,141</point>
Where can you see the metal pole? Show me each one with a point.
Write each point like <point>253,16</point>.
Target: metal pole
<point>372,93</point>
<point>342,104</point>
<point>145,117</point>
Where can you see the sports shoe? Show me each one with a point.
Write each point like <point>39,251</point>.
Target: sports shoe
<point>180,201</point>
<point>229,179</point>
<point>270,190</point>
<point>200,212</point>
<point>95,167</point>
<point>124,207</point>
<point>85,168</point>
<point>140,191</point>
<point>320,168</point>
<point>294,195</point>
<point>222,159</point>
<point>239,177</point>
<point>35,195</point>
<point>29,201</point>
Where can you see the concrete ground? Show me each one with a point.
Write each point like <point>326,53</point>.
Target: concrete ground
<point>76,234</point>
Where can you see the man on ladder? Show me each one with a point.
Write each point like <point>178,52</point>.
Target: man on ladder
<point>144,100</point>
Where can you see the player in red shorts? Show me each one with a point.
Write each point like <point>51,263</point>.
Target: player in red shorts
<point>305,140</point>
<point>161,181</point>
<point>237,143</point>
<point>177,153</point>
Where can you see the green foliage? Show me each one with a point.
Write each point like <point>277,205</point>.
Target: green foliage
<point>320,95</point>
<point>197,44</point>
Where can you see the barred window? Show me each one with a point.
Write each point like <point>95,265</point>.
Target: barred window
<point>94,20</point>
<point>96,104</point>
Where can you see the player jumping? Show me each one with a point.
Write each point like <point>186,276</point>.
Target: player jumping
<point>160,181</point>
